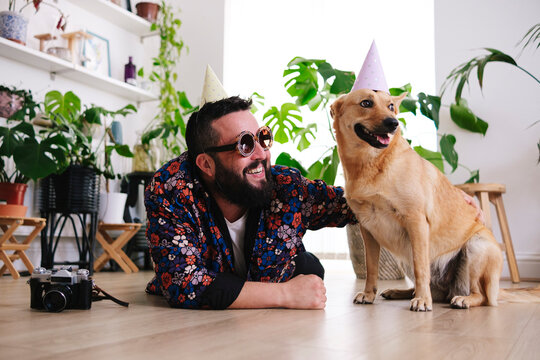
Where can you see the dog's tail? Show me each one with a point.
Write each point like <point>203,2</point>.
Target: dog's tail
<point>520,295</point>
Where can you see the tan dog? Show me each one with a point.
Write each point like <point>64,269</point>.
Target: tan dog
<point>408,206</point>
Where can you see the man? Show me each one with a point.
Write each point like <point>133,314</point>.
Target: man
<point>225,228</point>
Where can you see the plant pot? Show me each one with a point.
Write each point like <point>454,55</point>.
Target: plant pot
<point>12,193</point>
<point>13,210</point>
<point>9,104</point>
<point>142,160</point>
<point>148,10</point>
<point>111,207</point>
<point>74,191</point>
<point>13,26</point>
<point>389,268</point>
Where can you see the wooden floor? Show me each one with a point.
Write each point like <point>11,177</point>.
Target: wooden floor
<point>149,328</point>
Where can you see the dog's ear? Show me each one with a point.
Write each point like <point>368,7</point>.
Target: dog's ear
<point>397,101</point>
<point>335,108</point>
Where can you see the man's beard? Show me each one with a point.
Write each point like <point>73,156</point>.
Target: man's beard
<point>238,190</point>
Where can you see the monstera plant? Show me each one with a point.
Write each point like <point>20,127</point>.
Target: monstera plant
<point>314,84</point>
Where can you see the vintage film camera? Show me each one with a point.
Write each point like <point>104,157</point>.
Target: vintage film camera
<point>56,290</point>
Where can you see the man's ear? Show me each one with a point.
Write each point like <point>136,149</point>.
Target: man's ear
<point>206,164</point>
<point>397,101</point>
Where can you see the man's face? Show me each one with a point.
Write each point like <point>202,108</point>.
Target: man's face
<point>245,181</point>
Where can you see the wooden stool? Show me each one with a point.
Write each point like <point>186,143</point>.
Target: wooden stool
<point>9,224</point>
<point>487,193</point>
<point>113,247</point>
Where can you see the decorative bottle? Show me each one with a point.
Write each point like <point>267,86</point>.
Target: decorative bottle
<point>130,72</point>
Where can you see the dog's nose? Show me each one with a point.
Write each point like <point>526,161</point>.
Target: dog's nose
<point>390,123</point>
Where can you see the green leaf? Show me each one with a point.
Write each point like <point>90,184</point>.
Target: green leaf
<point>183,100</point>
<point>304,84</point>
<point>150,135</point>
<point>433,157</point>
<point>475,177</point>
<point>408,105</point>
<point>10,138</point>
<point>38,160</point>
<point>330,164</point>
<point>68,105</point>
<point>326,70</point>
<point>325,170</point>
<point>315,171</point>
<point>287,160</point>
<point>123,150</point>
<point>448,151</point>
<point>407,88</point>
<point>466,119</point>
<point>93,115</point>
<point>283,122</point>
<point>430,106</point>
<point>302,134</point>
<point>343,82</point>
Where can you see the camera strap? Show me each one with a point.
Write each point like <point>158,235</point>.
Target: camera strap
<point>97,297</point>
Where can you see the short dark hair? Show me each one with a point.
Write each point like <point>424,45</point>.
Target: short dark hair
<point>200,134</point>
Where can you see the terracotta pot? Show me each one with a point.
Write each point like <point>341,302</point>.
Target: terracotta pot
<point>12,193</point>
<point>147,10</point>
<point>13,26</point>
<point>13,210</point>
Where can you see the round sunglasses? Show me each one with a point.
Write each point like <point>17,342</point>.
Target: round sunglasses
<point>245,142</point>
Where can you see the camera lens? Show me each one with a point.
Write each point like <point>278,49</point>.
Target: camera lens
<point>57,298</point>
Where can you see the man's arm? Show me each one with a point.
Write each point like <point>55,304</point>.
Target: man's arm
<point>301,292</point>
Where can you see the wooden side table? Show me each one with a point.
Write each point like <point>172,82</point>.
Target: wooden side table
<point>487,193</point>
<point>9,224</point>
<point>113,247</point>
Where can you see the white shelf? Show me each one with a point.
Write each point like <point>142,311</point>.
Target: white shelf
<point>116,15</point>
<point>57,66</point>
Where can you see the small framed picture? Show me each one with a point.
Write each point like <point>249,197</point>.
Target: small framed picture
<point>96,54</point>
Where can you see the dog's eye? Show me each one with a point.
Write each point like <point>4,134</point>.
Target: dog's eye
<point>366,103</point>
<point>391,107</point>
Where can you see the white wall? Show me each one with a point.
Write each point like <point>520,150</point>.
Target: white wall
<point>203,33</point>
<point>509,103</point>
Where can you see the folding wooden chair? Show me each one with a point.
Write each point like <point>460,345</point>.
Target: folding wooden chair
<point>9,224</point>
<point>113,247</point>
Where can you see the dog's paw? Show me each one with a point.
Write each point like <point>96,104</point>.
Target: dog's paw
<point>397,294</point>
<point>364,298</point>
<point>421,304</point>
<point>460,302</point>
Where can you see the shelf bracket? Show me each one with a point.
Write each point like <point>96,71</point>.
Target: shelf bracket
<point>52,75</point>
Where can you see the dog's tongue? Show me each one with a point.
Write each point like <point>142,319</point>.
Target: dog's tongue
<point>383,139</point>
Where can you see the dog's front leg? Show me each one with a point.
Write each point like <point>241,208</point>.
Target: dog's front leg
<point>372,251</point>
<point>418,231</point>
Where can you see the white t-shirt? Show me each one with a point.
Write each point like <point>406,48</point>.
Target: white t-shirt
<point>237,231</point>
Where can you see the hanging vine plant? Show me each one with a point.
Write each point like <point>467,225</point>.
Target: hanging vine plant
<point>167,129</point>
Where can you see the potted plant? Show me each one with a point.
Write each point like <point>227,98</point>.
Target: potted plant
<point>148,10</point>
<point>86,156</point>
<point>164,137</point>
<point>73,192</point>
<point>24,154</point>
<point>13,23</point>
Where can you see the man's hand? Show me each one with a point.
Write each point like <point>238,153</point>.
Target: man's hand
<point>470,200</point>
<point>305,292</point>
<point>301,292</point>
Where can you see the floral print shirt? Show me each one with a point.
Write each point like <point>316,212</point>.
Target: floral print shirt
<point>190,245</point>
